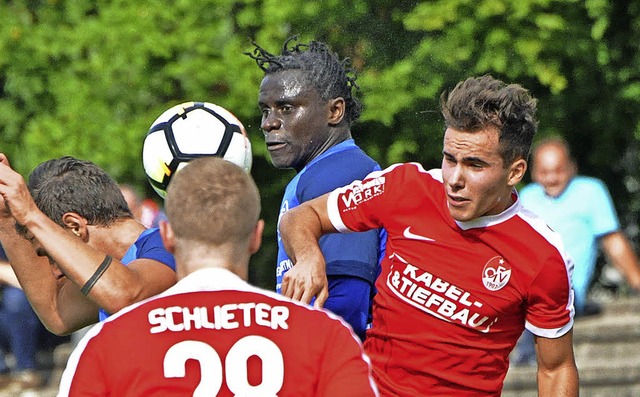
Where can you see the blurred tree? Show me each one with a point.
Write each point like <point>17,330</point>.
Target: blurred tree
<point>87,78</point>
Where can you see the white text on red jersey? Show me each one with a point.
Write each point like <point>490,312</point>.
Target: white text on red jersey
<point>437,297</point>
<point>229,316</point>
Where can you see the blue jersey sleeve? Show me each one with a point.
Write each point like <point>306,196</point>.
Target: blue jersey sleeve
<point>148,246</point>
<point>353,254</point>
<point>340,169</point>
<point>152,248</point>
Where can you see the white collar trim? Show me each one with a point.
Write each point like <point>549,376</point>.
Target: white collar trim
<point>491,220</point>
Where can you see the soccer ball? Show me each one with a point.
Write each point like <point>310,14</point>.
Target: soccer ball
<point>188,131</point>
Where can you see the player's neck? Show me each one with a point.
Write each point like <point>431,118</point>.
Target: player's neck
<point>115,239</point>
<point>184,269</point>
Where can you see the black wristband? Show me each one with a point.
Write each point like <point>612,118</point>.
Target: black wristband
<point>96,276</point>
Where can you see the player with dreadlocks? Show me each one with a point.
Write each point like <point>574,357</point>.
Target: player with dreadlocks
<point>308,105</point>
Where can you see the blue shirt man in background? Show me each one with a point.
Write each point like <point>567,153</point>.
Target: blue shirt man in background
<point>581,210</point>
<point>307,109</point>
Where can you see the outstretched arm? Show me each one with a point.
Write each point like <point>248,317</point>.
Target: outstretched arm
<point>619,250</point>
<point>300,229</point>
<point>557,371</point>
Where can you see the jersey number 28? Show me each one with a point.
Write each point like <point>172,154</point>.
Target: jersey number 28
<point>235,366</point>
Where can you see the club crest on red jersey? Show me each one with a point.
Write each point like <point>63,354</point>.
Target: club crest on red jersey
<point>496,273</point>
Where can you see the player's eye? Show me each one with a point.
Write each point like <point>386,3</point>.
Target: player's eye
<point>449,159</point>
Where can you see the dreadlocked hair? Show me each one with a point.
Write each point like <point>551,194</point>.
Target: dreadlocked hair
<point>323,69</point>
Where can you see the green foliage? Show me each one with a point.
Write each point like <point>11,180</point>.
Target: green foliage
<point>87,78</point>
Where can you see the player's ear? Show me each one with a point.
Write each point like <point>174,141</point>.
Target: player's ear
<point>167,235</point>
<point>256,237</point>
<point>75,223</point>
<point>336,108</point>
<point>517,171</point>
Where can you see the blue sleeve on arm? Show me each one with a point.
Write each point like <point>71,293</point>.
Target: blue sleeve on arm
<point>352,254</point>
<point>605,219</point>
<point>350,298</point>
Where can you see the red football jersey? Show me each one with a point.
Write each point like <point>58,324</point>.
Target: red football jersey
<point>453,297</point>
<point>212,334</point>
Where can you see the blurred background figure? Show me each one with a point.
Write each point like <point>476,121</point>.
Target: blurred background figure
<point>20,331</point>
<point>145,210</point>
<point>581,210</point>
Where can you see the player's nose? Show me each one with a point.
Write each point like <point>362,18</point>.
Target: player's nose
<point>270,122</point>
<point>456,177</point>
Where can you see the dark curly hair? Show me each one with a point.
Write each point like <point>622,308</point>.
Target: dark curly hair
<point>67,184</point>
<point>330,76</point>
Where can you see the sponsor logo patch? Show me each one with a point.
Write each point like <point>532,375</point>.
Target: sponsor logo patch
<point>362,192</point>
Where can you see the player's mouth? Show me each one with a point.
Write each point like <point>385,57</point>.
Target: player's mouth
<point>457,201</point>
<point>273,146</point>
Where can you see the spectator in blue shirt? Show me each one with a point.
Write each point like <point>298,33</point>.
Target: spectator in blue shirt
<point>581,210</point>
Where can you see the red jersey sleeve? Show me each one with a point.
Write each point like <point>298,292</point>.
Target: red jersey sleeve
<point>550,300</point>
<point>361,205</point>
<point>549,295</point>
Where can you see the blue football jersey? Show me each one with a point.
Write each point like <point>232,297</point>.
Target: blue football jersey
<point>149,246</point>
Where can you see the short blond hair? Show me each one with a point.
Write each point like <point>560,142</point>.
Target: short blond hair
<point>212,201</point>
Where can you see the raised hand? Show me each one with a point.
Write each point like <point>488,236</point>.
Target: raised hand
<point>15,199</point>
<point>4,210</point>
